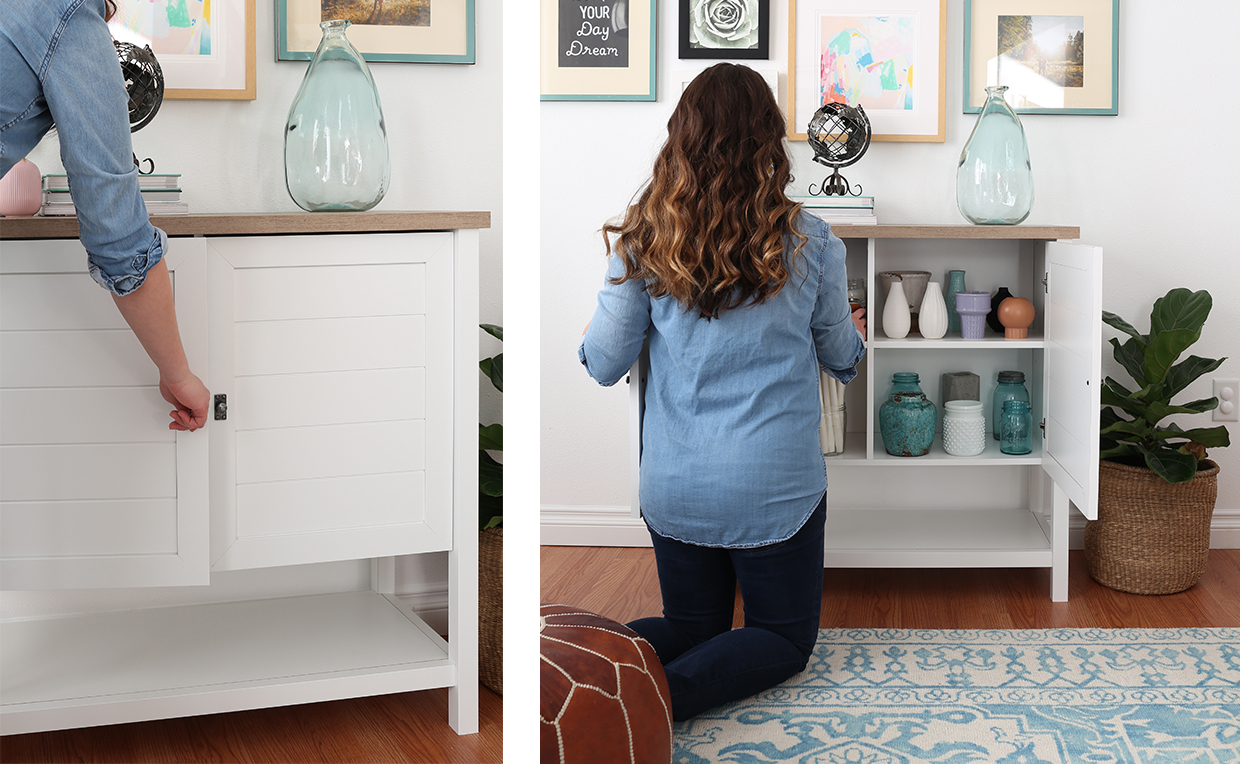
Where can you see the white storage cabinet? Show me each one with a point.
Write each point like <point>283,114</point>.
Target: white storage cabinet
<point>990,510</point>
<point>343,366</point>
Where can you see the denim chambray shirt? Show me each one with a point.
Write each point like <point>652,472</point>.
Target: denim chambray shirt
<point>731,455</point>
<point>58,64</point>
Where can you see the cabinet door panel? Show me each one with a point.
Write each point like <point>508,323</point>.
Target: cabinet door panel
<point>293,400</point>
<point>279,347</point>
<point>338,441</point>
<point>95,490</point>
<point>300,453</point>
<point>1072,377</point>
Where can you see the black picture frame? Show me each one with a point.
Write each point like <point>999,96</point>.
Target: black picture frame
<point>761,51</point>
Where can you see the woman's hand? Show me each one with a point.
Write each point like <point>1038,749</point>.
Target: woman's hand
<point>858,317</point>
<point>191,398</point>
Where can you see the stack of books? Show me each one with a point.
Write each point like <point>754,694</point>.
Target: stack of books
<point>840,210</point>
<point>162,194</point>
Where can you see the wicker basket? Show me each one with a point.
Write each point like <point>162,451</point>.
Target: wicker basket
<point>491,609</point>
<point>1151,537</point>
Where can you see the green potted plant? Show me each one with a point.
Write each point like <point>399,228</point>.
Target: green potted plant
<point>1156,488</point>
<point>491,534</point>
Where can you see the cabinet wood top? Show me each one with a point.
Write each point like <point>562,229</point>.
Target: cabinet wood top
<point>1037,232</point>
<point>257,223</point>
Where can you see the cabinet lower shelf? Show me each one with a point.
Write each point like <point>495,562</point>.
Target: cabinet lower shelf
<point>946,538</point>
<point>135,665</point>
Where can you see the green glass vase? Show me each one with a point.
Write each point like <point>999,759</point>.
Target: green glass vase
<point>335,141</point>
<point>994,180</point>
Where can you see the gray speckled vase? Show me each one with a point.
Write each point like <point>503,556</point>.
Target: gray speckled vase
<point>907,420</point>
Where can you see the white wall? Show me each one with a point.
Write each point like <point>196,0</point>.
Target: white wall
<point>1154,186</point>
<point>443,132</point>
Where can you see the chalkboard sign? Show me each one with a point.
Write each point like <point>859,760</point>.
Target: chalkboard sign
<point>594,33</point>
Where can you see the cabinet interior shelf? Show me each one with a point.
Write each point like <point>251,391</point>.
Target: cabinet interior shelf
<point>954,342</point>
<point>116,667</point>
<point>854,455</point>
<point>954,538</point>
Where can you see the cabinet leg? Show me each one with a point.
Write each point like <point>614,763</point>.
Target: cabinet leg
<point>1059,546</point>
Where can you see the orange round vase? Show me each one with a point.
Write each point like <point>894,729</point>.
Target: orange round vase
<point>1016,314</point>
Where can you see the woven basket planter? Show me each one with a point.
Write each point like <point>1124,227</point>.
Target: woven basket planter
<point>491,609</point>
<point>1151,537</point>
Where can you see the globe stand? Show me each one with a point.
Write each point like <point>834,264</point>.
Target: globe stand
<point>839,134</point>
<point>144,84</point>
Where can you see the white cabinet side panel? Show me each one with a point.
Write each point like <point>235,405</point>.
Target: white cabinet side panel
<point>1073,373</point>
<point>337,397</point>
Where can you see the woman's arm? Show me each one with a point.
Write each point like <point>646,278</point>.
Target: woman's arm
<point>613,339</point>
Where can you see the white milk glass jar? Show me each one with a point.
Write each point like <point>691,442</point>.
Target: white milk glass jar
<point>964,428</point>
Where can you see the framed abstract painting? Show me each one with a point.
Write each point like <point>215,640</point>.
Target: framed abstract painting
<point>205,50</point>
<point>888,56</point>
<point>1053,57</point>
<point>597,50</point>
<point>401,31</point>
<point>731,29</point>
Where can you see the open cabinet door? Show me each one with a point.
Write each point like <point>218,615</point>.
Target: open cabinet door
<point>95,490</point>
<point>637,414</point>
<point>1073,371</point>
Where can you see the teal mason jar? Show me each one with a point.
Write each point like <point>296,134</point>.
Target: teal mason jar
<point>1011,387</point>
<point>1016,428</point>
<point>907,420</point>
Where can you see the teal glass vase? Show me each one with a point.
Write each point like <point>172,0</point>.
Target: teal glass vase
<point>994,180</point>
<point>955,284</point>
<point>335,141</point>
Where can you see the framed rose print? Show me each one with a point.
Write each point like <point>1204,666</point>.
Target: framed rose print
<point>888,56</point>
<point>725,29</point>
<point>597,50</point>
<point>1053,56</point>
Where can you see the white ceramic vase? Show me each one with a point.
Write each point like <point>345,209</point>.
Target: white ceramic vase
<point>21,190</point>
<point>933,313</point>
<point>896,316</point>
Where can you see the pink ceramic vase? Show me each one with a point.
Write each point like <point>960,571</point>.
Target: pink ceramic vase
<point>21,190</point>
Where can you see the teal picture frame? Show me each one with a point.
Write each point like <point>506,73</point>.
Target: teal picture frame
<point>287,49</point>
<point>552,82</point>
<point>976,11</point>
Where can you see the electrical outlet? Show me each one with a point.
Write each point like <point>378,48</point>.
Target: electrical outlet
<point>1228,393</point>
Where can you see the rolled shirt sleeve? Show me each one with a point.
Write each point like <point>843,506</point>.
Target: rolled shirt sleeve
<point>836,340</point>
<point>614,339</point>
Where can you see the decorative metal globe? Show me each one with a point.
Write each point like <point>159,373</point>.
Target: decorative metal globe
<point>839,134</point>
<point>144,81</point>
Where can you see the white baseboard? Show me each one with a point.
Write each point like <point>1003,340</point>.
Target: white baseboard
<point>614,526</point>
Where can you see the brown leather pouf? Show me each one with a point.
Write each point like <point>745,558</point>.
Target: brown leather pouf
<point>604,695</point>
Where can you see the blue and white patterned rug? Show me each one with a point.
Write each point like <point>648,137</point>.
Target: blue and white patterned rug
<point>1037,696</point>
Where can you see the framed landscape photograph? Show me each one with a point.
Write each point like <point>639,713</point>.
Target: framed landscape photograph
<point>205,50</point>
<point>725,29</point>
<point>1055,57</point>
<point>887,56</point>
<point>406,31</point>
<point>597,50</point>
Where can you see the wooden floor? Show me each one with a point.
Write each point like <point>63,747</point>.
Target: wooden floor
<point>405,727</point>
<point>621,584</point>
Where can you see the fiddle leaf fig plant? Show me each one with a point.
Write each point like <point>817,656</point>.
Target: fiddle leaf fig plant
<point>1133,431</point>
<point>491,438</point>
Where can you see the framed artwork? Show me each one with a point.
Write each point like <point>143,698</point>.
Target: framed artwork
<point>205,50</point>
<point>597,50</point>
<point>408,31</point>
<point>725,29</point>
<point>888,56</point>
<point>1054,57</point>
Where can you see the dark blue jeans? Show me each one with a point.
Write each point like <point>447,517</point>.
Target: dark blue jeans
<point>707,662</point>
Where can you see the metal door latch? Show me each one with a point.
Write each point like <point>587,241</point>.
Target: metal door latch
<point>1042,427</point>
<point>221,406</point>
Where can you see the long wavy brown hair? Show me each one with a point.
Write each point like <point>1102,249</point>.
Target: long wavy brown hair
<point>709,228</point>
<point>109,10</point>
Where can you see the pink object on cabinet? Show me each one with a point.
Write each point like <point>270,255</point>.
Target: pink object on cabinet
<point>21,190</point>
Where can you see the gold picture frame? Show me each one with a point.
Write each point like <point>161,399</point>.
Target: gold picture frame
<point>902,85</point>
<point>209,58</point>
